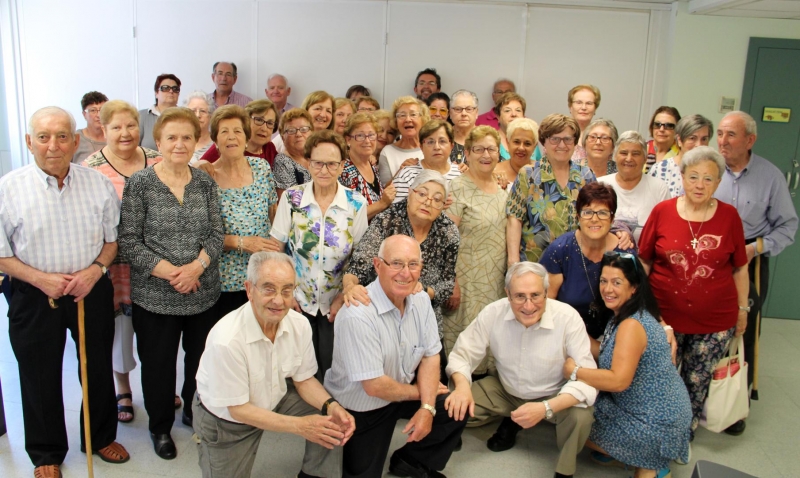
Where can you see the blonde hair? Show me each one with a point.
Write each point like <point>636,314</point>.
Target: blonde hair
<point>408,100</point>
<point>480,132</point>
<point>357,119</point>
<point>176,114</point>
<point>595,91</point>
<point>525,124</point>
<point>230,112</point>
<point>110,108</point>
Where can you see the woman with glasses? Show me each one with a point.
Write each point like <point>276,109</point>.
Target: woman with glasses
<point>367,104</point>
<point>582,101</point>
<point>573,259</point>
<point>321,107</point>
<point>262,115</point>
<point>168,89</point>
<point>344,110</point>
<point>322,222</point>
<point>291,167</point>
<point>202,106</point>
<point>693,248</point>
<point>408,116</point>
<point>463,114</point>
<point>92,137</point>
<point>523,138</point>
<point>599,139</point>
<point>691,131</point>
<point>436,138</point>
<point>386,133</point>
<point>541,204</point>
<point>438,106</point>
<point>662,130</point>
<point>358,172</point>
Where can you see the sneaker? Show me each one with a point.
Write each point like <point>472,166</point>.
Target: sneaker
<point>664,473</point>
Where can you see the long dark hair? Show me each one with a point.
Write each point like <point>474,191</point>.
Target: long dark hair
<point>643,298</point>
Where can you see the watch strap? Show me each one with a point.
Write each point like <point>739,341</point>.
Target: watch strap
<point>101,266</point>
<point>429,408</point>
<point>327,405</point>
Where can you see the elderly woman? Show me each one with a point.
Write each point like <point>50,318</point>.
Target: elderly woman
<point>541,204</point>
<point>344,109</point>
<point>321,105</point>
<point>367,104</point>
<point>662,130</point>
<point>509,107</point>
<point>463,114</point>
<point>408,116</point>
<point>523,136</point>
<point>262,117</point>
<point>693,247</point>
<point>637,193</point>
<point>92,137</point>
<point>691,131</point>
<point>202,106</point>
<point>322,221</point>
<point>291,167</point>
<point>167,88</point>
<point>358,172</point>
<point>438,105</point>
<point>436,137</point>
<point>247,201</point>
<point>582,101</point>
<point>171,233</point>
<point>118,160</point>
<point>599,139</point>
<point>634,366</point>
<point>573,259</point>
<point>386,132</point>
<point>478,212</point>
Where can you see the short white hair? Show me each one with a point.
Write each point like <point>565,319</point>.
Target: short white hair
<point>522,268</point>
<point>465,93</point>
<point>51,111</point>
<point>277,75</point>
<point>258,259</point>
<point>703,153</point>
<point>202,95</point>
<point>504,80</point>
<point>749,122</point>
<point>427,176</point>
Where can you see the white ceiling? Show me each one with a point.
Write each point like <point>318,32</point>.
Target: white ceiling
<point>786,9</point>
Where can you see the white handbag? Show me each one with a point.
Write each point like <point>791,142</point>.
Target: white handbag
<point>727,401</point>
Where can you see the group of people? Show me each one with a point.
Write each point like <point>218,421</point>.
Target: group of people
<point>333,268</point>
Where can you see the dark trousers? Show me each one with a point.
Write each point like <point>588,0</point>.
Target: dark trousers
<point>750,332</point>
<point>158,336</point>
<point>37,334</point>
<point>322,338</point>
<point>230,301</point>
<point>365,453</point>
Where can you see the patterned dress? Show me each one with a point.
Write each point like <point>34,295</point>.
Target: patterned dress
<point>245,212</point>
<point>352,178</point>
<point>669,172</point>
<point>545,209</point>
<point>647,424</point>
<point>288,172</point>
<point>481,264</point>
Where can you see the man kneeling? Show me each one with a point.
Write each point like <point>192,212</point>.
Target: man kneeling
<point>530,337</point>
<point>242,381</point>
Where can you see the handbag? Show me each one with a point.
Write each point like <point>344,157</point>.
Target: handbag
<point>727,401</point>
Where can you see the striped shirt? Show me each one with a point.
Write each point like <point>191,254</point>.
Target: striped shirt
<point>402,182</point>
<point>375,340</point>
<point>52,230</point>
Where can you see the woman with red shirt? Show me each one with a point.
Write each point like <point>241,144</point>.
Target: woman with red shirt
<point>693,247</point>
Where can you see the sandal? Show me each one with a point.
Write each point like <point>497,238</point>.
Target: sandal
<point>113,453</point>
<point>177,402</point>
<point>124,408</point>
<point>47,471</point>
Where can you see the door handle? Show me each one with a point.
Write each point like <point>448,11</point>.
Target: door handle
<point>789,179</point>
<point>796,181</point>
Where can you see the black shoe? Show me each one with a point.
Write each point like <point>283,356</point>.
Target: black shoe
<point>505,436</point>
<point>559,475</point>
<point>164,446</point>
<point>403,467</point>
<point>187,419</point>
<point>458,445</point>
<point>736,429</point>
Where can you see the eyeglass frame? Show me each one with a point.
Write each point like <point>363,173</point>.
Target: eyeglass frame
<point>424,196</point>
<point>555,140</point>
<point>257,119</point>
<point>166,88</point>
<point>318,165</point>
<point>417,267</point>
<point>666,126</point>
<point>592,214</point>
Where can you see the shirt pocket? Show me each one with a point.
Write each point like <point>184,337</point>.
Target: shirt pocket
<point>258,388</point>
<point>411,361</point>
<point>290,366</point>
<point>753,212</point>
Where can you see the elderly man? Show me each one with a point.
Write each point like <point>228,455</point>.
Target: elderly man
<point>278,91</point>
<point>530,337</point>
<point>59,236</point>
<point>386,367</point>
<point>242,386</point>
<point>224,76</point>
<point>427,83</point>
<point>501,87</point>
<point>757,189</point>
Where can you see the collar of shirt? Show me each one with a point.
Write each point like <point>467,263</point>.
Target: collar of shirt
<point>546,322</point>
<point>340,200</point>
<point>253,332</point>
<point>153,111</point>
<point>752,162</point>
<point>382,303</point>
<point>51,180</point>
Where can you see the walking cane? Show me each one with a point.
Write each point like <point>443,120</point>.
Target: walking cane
<point>759,248</point>
<point>87,430</point>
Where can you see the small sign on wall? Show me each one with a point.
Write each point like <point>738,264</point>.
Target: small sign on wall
<point>727,104</point>
<point>776,115</point>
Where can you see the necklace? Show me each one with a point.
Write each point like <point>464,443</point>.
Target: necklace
<point>695,241</point>
<point>594,310</point>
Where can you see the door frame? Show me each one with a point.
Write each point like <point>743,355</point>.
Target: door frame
<point>752,62</point>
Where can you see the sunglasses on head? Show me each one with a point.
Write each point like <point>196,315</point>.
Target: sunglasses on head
<point>624,255</point>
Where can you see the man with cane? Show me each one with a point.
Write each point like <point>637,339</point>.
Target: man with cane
<point>59,234</point>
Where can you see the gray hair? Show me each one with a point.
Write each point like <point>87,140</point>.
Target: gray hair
<point>504,80</point>
<point>258,259</point>
<point>689,124</point>
<point>233,67</point>
<point>522,268</point>
<point>203,96</point>
<point>382,248</point>
<point>630,137</point>
<point>51,111</point>
<point>464,93</point>
<point>427,176</point>
<point>749,122</point>
<point>277,75</point>
<point>700,154</point>
<point>602,122</point>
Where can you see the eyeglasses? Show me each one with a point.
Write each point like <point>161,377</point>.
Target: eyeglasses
<point>587,104</point>
<point>568,141</point>
<point>520,299</point>
<point>361,137</point>
<point>624,255</point>
<point>459,109</point>
<point>666,126</point>
<point>424,83</point>
<point>366,109</point>
<point>260,121</point>
<point>441,111</point>
<point>480,149</point>
<point>200,112</point>
<point>593,138</point>
<point>601,214</point>
<point>397,265</point>
<point>431,142</point>
<point>707,180</point>
<point>293,131</point>
<point>270,292</point>
<point>166,88</point>
<point>423,195</point>
<point>412,115</point>
<point>92,111</point>
<point>318,165</point>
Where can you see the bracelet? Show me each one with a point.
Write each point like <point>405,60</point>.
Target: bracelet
<point>239,246</point>
<point>202,262</point>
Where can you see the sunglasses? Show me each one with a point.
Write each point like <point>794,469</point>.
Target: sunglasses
<point>667,126</point>
<point>165,88</point>
<point>624,255</point>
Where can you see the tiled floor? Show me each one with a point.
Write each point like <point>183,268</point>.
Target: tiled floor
<point>769,447</point>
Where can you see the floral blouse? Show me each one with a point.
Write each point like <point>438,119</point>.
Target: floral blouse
<point>288,173</point>
<point>245,212</point>
<point>545,209</point>
<point>670,173</point>
<point>439,252</point>
<point>321,245</point>
<point>352,178</point>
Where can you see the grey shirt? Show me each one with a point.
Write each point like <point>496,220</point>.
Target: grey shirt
<point>147,119</point>
<point>86,148</point>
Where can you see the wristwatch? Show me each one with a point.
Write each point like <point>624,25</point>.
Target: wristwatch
<point>548,412</point>
<point>746,309</point>
<point>574,375</point>
<point>101,266</point>
<point>327,404</point>
<point>429,408</point>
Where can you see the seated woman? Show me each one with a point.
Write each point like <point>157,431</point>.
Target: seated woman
<point>439,106</point>
<point>344,110</point>
<point>523,136</point>
<point>599,139</point>
<point>263,114</point>
<point>436,138</point>
<point>408,116</point>
<point>691,132</point>
<point>642,415</point>
<point>573,259</point>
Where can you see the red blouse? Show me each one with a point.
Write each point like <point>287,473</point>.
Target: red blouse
<point>268,152</point>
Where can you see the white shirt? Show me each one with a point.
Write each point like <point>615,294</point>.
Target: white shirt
<point>277,141</point>
<point>391,158</point>
<point>402,182</point>
<point>530,360</point>
<point>635,206</point>
<point>240,364</point>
